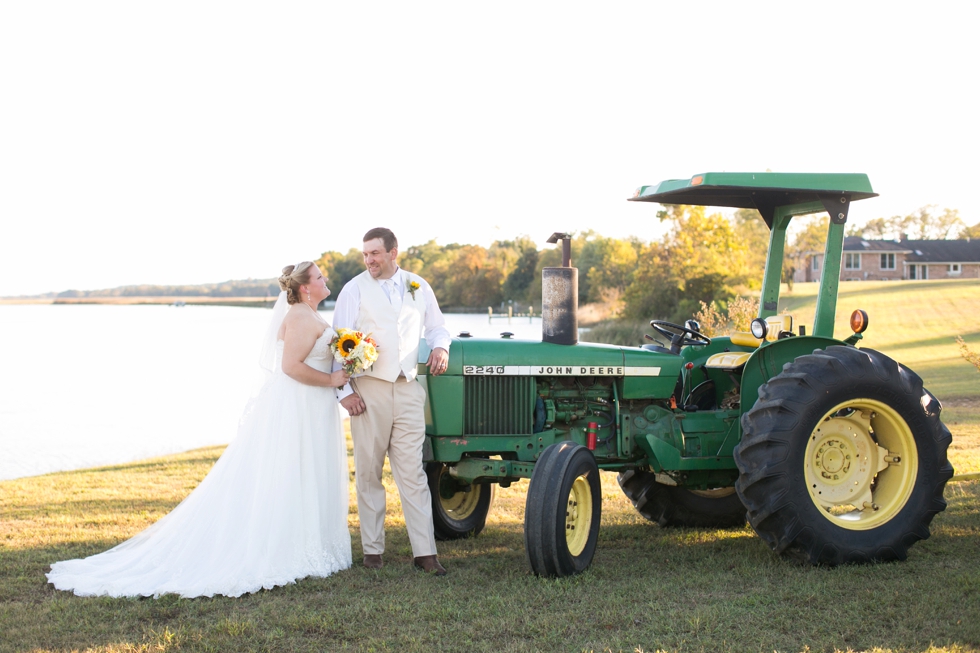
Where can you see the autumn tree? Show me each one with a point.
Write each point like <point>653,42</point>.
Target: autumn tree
<point>702,259</point>
<point>433,262</point>
<point>610,265</point>
<point>521,278</point>
<point>754,232</point>
<point>971,232</point>
<point>877,229</point>
<point>465,276</point>
<point>807,238</point>
<point>925,223</point>
<point>341,268</point>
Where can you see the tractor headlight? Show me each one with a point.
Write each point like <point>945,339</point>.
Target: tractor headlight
<point>759,328</point>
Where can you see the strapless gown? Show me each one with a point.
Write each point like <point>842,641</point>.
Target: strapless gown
<point>272,510</point>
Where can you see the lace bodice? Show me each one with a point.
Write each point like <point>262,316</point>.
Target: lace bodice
<point>320,357</point>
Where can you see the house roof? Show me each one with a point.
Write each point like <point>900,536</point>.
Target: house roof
<point>858,244</point>
<point>920,251</point>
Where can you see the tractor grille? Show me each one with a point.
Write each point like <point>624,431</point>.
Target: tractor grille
<point>499,405</point>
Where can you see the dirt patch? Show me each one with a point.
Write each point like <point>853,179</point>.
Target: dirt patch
<point>961,402</point>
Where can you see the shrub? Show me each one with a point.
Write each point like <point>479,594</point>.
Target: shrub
<point>968,354</point>
<point>736,317</point>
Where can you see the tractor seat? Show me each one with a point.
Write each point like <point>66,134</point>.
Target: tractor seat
<point>733,361</point>
<point>729,361</point>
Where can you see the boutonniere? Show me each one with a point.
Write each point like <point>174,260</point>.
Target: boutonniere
<point>412,287</point>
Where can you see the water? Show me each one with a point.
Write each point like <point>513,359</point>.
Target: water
<point>88,385</point>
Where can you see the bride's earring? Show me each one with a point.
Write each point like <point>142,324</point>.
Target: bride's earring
<point>308,298</point>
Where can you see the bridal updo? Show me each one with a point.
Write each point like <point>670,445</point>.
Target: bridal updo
<point>292,277</point>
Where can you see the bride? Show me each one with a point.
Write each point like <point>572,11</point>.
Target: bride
<point>273,509</point>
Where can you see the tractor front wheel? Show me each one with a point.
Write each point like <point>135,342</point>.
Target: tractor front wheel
<point>678,506</point>
<point>458,511</point>
<point>561,517</point>
<point>843,458</point>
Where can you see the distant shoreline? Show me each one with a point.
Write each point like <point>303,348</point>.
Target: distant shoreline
<point>251,302</point>
<point>247,302</point>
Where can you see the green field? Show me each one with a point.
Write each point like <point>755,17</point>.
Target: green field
<point>915,322</point>
<point>649,589</point>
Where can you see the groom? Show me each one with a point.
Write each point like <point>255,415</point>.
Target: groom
<point>387,404</point>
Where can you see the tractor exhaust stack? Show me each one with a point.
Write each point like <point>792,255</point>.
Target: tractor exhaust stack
<point>559,297</point>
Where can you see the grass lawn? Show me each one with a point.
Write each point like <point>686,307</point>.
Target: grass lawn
<point>649,589</point>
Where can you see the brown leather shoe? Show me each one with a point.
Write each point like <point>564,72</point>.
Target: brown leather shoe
<point>372,560</point>
<point>430,565</point>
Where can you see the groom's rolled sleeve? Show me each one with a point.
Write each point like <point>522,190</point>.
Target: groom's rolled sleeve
<point>344,314</point>
<point>436,333</point>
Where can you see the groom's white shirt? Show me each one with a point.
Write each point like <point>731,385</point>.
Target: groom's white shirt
<point>359,292</point>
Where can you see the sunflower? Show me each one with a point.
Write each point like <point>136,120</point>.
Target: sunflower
<point>346,341</point>
<point>354,350</point>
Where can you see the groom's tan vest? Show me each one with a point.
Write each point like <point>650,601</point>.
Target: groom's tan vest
<point>397,332</point>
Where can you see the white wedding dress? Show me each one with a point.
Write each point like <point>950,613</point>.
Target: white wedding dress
<point>272,510</point>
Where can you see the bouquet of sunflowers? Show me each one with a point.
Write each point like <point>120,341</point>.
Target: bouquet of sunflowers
<point>355,351</point>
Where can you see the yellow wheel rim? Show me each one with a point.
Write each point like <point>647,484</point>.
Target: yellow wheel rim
<point>460,505</point>
<point>860,464</point>
<point>578,516</point>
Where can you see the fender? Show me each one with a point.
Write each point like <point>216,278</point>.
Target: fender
<point>768,361</point>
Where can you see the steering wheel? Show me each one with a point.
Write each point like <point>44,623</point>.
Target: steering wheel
<point>679,336</point>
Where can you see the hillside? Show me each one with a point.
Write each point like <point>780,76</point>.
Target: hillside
<point>915,322</point>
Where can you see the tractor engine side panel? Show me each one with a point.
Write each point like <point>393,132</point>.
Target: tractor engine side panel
<point>512,398</point>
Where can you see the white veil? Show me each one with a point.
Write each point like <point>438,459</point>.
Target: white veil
<point>267,356</point>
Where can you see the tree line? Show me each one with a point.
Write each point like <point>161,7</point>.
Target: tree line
<point>239,288</point>
<point>702,257</point>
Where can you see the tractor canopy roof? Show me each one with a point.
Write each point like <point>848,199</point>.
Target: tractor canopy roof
<point>765,191</point>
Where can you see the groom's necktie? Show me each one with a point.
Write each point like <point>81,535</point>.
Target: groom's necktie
<point>392,292</point>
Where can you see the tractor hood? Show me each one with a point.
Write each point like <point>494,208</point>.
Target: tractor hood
<point>643,373</point>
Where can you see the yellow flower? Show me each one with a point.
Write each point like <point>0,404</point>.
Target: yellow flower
<point>346,341</point>
<point>355,351</point>
<point>412,287</point>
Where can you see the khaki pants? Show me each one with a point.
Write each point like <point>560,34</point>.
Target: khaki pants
<point>392,424</point>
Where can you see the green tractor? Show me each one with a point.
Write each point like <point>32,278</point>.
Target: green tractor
<point>834,453</point>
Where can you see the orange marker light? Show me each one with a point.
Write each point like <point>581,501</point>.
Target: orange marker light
<point>697,180</point>
<point>859,321</point>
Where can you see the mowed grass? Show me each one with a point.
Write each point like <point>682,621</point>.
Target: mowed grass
<point>649,589</point>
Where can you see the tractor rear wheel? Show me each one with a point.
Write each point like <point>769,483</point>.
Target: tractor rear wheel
<point>561,517</point>
<point>843,458</point>
<point>678,506</point>
<point>458,511</point>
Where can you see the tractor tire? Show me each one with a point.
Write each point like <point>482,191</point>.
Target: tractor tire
<point>843,459</point>
<point>562,514</point>
<point>458,511</point>
<point>678,506</point>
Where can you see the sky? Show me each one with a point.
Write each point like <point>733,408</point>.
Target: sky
<point>200,141</point>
